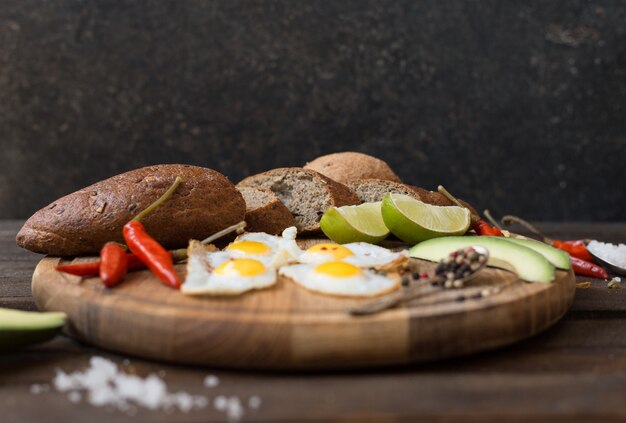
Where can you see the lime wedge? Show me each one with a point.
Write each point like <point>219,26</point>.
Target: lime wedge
<point>362,223</point>
<point>413,221</point>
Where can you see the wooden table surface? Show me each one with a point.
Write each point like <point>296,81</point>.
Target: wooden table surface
<point>576,371</point>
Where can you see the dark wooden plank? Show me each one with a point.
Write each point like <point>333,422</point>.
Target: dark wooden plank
<point>478,387</point>
<point>575,371</point>
<point>16,268</point>
<point>605,232</point>
<point>20,303</point>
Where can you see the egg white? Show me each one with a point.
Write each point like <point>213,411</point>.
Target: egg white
<point>367,284</point>
<point>200,281</point>
<point>283,249</point>
<point>364,255</point>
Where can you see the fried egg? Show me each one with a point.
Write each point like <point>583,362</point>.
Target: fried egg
<point>339,278</point>
<point>273,251</point>
<point>230,277</point>
<point>361,254</point>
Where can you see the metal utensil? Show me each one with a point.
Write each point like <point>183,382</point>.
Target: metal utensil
<point>412,292</point>
<point>606,264</point>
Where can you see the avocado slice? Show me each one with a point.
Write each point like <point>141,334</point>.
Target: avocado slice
<point>19,328</point>
<point>528,264</point>
<point>558,258</point>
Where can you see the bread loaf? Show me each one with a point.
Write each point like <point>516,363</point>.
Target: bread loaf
<point>82,222</point>
<point>306,193</point>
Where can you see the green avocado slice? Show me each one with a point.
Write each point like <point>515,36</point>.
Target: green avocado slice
<point>528,264</point>
<point>19,328</point>
<point>558,258</point>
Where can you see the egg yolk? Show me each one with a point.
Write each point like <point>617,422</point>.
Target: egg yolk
<point>249,247</point>
<point>337,251</point>
<point>240,267</point>
<point>338,269</point>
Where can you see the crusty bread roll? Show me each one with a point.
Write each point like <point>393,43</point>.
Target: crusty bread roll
<point>306,193</point>
<point>82,222</point>
<point>370,190</point>
<point>265,212</point>
<point>350,166</point>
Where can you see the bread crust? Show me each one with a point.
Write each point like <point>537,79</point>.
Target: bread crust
<point>271,218</point>
<point>340,195</point>
<point>398,187</point>
<point>438,199</point>
<point>349,166</point>
<point>82,222</point>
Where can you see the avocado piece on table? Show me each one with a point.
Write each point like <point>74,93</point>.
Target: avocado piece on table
<point>20,328</point>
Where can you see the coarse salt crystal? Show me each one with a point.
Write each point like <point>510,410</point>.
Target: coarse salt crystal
<point>220,402</point>
<point>74,397</point>
<point>63,382</point>
<point>106,385</point>
<point>103,383</point>
<point>254,402</point>
<point>38,389</point>
<point>211,381</point>
<point>614,254</point>
<point>234,409</point>
<point>200,402</point>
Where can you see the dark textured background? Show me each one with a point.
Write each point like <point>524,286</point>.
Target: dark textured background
<point>516,106</point>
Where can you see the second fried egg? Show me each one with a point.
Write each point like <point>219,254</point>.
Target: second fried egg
<point>361,254</point>
<point>340,279</point>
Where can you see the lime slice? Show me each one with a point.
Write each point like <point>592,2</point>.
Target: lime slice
<point>413,221</point>
<point>362,223</point>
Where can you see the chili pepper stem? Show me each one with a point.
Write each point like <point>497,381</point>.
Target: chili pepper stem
<point>181,253</point>
<point>160,201</point>
<point>456,202</point>
<point>238,227</point>
<point>508,220</point>
<point>491,220</point>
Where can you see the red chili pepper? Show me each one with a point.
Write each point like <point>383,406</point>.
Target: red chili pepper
<point>113,264</point>
<point>482,228</point>
<point>575,248</point>
<point>497,231</point>
<point>584,268</point>
<point>90,268</point>
<point>157,258</point>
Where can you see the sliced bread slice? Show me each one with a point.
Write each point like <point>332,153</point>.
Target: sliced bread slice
<point>265,212</point>
<point>306,193</point>
<point>371,190</point>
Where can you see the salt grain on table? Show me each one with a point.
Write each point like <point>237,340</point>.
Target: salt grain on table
<point>38,389</point>
<point>74,397</point>
<point>103,383</point>
<point>106,385</point>
<point>211,381</point>
<point>234,409</point>
<point>254,402</point>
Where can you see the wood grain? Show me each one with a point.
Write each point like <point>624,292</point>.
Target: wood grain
<point>289,327</point>
<point>575,371</point>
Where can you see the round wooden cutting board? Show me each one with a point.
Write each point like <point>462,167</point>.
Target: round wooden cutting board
<point>289,327</point>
